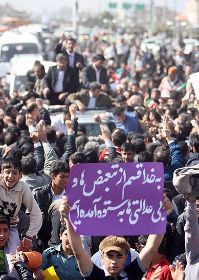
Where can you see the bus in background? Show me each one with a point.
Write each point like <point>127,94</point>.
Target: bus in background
<point>12,22</point>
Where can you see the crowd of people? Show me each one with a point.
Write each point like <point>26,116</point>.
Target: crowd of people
<point>150,114</point>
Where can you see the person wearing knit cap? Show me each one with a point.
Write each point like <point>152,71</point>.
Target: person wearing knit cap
<point>172,70</point>
<point>170,84</point>
<point>114,243</point>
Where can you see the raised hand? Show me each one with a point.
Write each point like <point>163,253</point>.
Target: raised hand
<point>64,209</point>
<point>106,134</point>
<point>156,274</point>
<point>69,126</point>
<point>73,110</point>
<point>177,272</point>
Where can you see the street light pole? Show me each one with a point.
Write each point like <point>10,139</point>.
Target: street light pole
<point>152,15</point>
<point>164,11</point>
<point>75,16</point>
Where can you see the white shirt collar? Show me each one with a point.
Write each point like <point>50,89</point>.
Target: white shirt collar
<point>70,53</point>
<point>96,68</point>
<point>61,194</point>
<point>60,69</point>
<point>91,94</point>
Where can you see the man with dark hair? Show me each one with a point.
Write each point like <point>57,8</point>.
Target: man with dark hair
<point>33,112</point>
<point>116,140</point>
<point>59,81</point>
<point>144,156</point>
<point>96,72</point>
<point>129,123</point>
<point>75,59</point>
<point>91,99</point>
<point>91,156</point>
<point>10,140</point>
<point>127,152</point>
<point>194,154</point>
<point>80,142</point>
<point>185,150</point>
<point>77,158</point>
<point>139,144</point>
<point>59,173</point>
<point>12,113</point>
<point>39,72</point>
<point>121,102</point>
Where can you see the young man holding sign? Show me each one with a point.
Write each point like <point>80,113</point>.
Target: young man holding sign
<point>114,252</point>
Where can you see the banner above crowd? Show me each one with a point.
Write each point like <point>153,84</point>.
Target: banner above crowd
<point>117,199</point>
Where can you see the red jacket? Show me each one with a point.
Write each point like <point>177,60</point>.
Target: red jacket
<point>104,154</point>
<point>165,272</point>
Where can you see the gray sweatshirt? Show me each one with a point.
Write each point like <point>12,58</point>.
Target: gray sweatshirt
<point>192,242</point>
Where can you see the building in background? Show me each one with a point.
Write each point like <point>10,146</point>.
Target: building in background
<point>192,11</point>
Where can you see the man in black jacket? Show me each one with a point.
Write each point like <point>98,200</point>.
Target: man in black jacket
<point>75,59</point>
<point>45,195</point>
<point>96,72</point>
<point>59,81</point>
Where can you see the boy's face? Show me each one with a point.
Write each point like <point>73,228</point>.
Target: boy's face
<point>4,235</point>
<point>65,241</point>
<point>113,262</point>
<point>10,176</point>
<point>60,180</point>
<point>127,156</point>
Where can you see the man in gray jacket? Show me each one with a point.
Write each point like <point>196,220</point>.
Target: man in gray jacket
<point>29,166</point>
<point>192,239</point>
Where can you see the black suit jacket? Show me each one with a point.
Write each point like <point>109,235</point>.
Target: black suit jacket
<point>89,75</point>
<point>68,81</point>
<point>77,58</point>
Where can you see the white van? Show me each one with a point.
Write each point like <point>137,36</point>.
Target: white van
<point>16,43</point>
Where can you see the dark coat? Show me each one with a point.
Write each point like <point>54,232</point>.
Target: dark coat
<point>89,75</point>
<point>23,270</point>
<point>102,100</point>
<point>77,58</point>
<point>43,197</point>
<point>68,81</point>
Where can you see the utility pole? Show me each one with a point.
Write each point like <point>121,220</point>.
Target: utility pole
<point>75,17</point>
<point>164,11</point>
<point>174,10</point>
<point>152,17</point>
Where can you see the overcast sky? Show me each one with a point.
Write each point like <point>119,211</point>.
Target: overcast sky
<point>39,6</point>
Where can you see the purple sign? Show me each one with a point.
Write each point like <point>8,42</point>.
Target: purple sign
<point>117,198</point>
